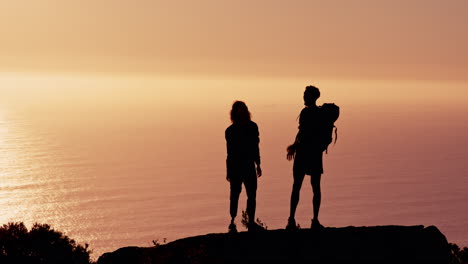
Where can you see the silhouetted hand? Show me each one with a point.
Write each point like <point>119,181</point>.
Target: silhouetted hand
<point>291,152</point>
<point>259,171</point>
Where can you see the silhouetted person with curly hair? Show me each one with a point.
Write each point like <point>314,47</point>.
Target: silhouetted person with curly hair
<point>307,154</point>
<point>243,162</point>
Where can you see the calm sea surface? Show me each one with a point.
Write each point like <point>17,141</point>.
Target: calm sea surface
<point>119,163</point>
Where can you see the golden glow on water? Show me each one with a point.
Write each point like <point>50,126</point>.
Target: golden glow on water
<point>9,157</point>
<point>5,157</point>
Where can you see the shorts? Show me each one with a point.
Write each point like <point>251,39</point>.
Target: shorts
<point>308,162</point>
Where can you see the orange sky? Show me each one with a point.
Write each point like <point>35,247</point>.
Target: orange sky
<point>405,39</point>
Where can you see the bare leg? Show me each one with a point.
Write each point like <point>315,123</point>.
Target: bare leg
<point>298,179</point>
<point>315,181</point>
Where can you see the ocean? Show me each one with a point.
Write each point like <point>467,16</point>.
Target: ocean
<point>121,161</point>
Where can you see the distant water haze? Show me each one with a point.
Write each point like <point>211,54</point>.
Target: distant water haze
<point>123,160</point>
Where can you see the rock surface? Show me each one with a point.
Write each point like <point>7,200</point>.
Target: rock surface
<point>380,244</point>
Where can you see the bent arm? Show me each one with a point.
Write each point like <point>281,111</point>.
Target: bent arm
<point>257,153</point>
<point>257,147</point>
<point>298,140</point>
<point>292,148</point>
<point>228,150</point>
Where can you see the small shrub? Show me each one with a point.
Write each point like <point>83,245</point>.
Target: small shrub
<point>459,255</point>
<point>157,244</point>
<point>39,245</point>
<point>245,221</point>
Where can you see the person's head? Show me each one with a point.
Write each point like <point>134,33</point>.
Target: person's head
<point>311,94</point>
<point>239,112</point>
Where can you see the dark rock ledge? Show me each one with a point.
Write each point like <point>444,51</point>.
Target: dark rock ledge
<point>380,244</point>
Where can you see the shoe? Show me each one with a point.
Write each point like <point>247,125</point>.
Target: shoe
<point>316,224</point>
<point>232,228</point>
<point>254,227</point>
<point>291,224</point>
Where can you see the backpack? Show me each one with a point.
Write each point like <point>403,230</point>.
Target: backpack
<point>329,113</point>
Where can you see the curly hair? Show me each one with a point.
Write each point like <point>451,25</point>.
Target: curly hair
<point>240,113</point>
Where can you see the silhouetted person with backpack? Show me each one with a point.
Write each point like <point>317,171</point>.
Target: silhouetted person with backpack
<point>315,134</point>
<point>243,162</point>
